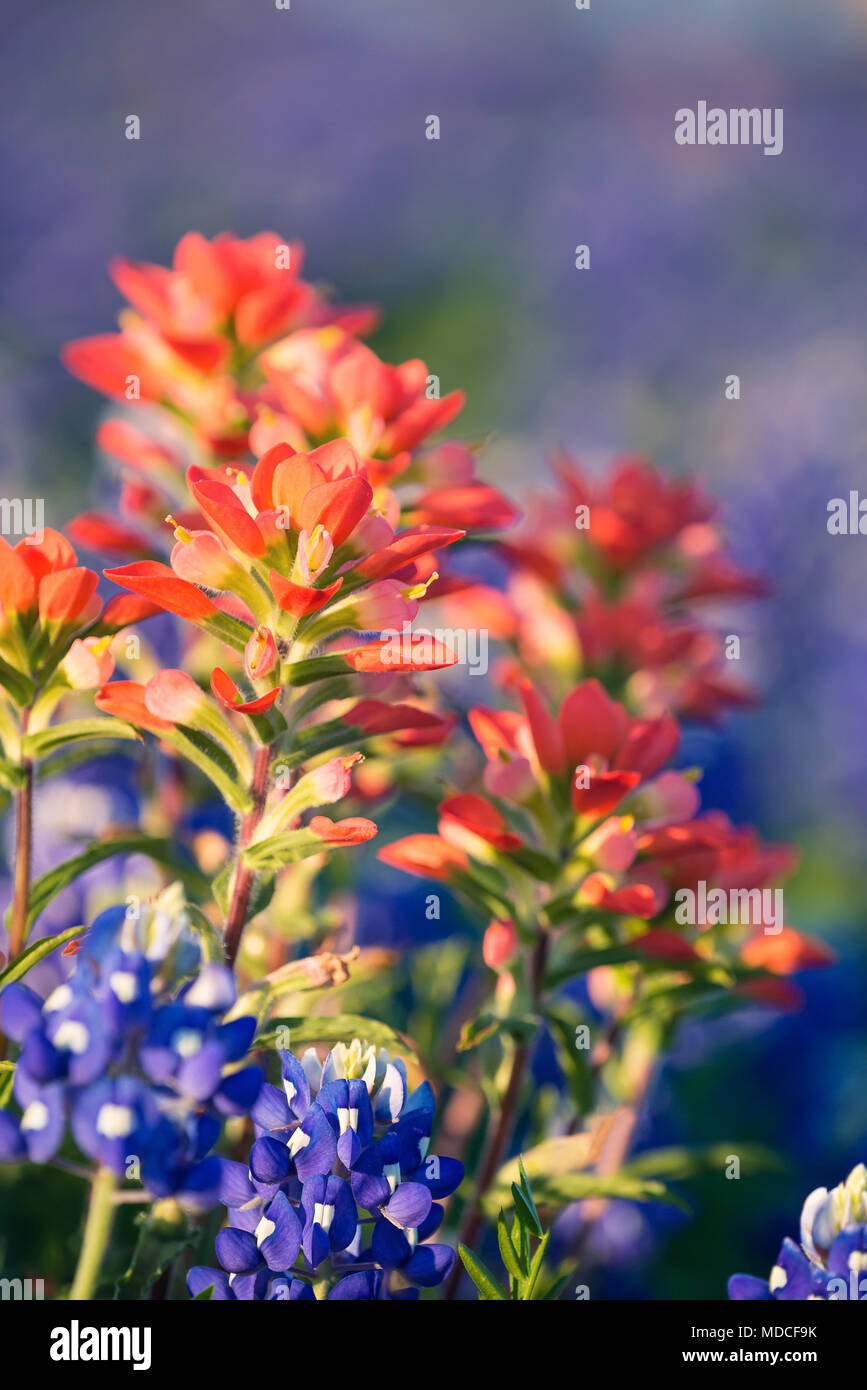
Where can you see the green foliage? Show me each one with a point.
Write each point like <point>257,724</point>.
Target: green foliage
<point>522,1263</point>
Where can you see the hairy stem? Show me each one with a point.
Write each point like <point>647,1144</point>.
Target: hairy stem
<point>499,1140</point>
<point>100,1215</point>
<point>237,915</point>
<point>23,855</point>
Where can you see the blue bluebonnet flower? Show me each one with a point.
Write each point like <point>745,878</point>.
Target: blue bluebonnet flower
<point>831,1259</point>
<point>339,1189</point>
<point>135,1062</point>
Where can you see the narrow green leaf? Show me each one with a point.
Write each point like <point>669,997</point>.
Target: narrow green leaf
<point>481,1276</point>
<point>208,934</point>
<point>526,1211</point>
<point>20,687</point>
<point>315,1028</point>
<point>536,1267</point>
<point>76,731</point>
<point>34,954</point>
<point>509,1255</point>
<point>561,1189</point>
<point>215,763</point>
<point>556,1289</point>
<point>161,850</point>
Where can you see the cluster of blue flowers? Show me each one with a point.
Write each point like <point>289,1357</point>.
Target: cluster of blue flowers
<point>141,1068</point>
<point>341,1138</point>
<point>830,1263</point>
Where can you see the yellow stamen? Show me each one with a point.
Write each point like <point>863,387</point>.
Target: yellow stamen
<point>419,590</point>
<point>181,532</point>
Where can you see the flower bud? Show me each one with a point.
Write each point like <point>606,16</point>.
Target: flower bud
<point>173,696</point>
<point>315,549</point>
<point>88,663</point>
<point>500,944</point>
<point>614,845</point>
<point>260,654</point>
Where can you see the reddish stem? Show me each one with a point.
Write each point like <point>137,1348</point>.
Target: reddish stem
<point>498,1143</point>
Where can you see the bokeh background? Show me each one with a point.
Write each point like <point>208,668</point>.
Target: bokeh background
<point>556,129</point>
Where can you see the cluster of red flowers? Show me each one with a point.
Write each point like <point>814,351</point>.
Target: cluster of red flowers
<point>612,832</point>
<point>333,530</point>
<point>609,577</point>
<point>309,511</point>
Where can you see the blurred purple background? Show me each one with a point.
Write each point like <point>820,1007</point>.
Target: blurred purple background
<point>557,128</point>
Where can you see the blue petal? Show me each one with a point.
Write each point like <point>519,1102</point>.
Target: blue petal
<point>269,1160</point>
<point>429,1265</point>
<point>291,1290</point>
<point>389,1246</point>
<point>848,1254</point>
<point>796,1279</point>
<point>200,1278</point>
<point>296,1086</point>
<point>238,1091</point>
<point>236,1188</point>
<point>199,1076</point>
<point>441,1175</point>
<point>12,1146</point>
<point>271,1110</point>
<point>747,1288</point>
<point>235,1037</point>
<point>280,1248</point>
<point>345,1221</point>
<point>20,1011</point>
<point>391,1095</point>
<point>237,1250</point>
<point>318,1156</point>
<point>363,1286</point>
<point>409,1205</point>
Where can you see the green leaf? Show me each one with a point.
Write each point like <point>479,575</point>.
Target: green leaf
<point>157,1245</point>
<point>335,1028</point>
<point>317,668</point>
<point>509,1255</point>
<point>525,1210</point>
<point>161,850</point>
<point>556,1289</point>
<point>76,731</point>
<point>20,687</point>
<point>481,1276</point>
<point>677,1164</point>
<point>214,762</point>
<point>533,862</point>
<point>623,954</point>
<point>205,1296</point>
<point>288,847</point>
<point>486,1025</point>
<point>536,1266</point>
<point>558,1191</point>
<point>34,954</point>
<point>209,936</point>
<point>229,630</point>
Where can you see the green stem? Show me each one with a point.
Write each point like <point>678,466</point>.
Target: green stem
<point>100,1216</point>
<point>23,854</point>
<point>237,915</point>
